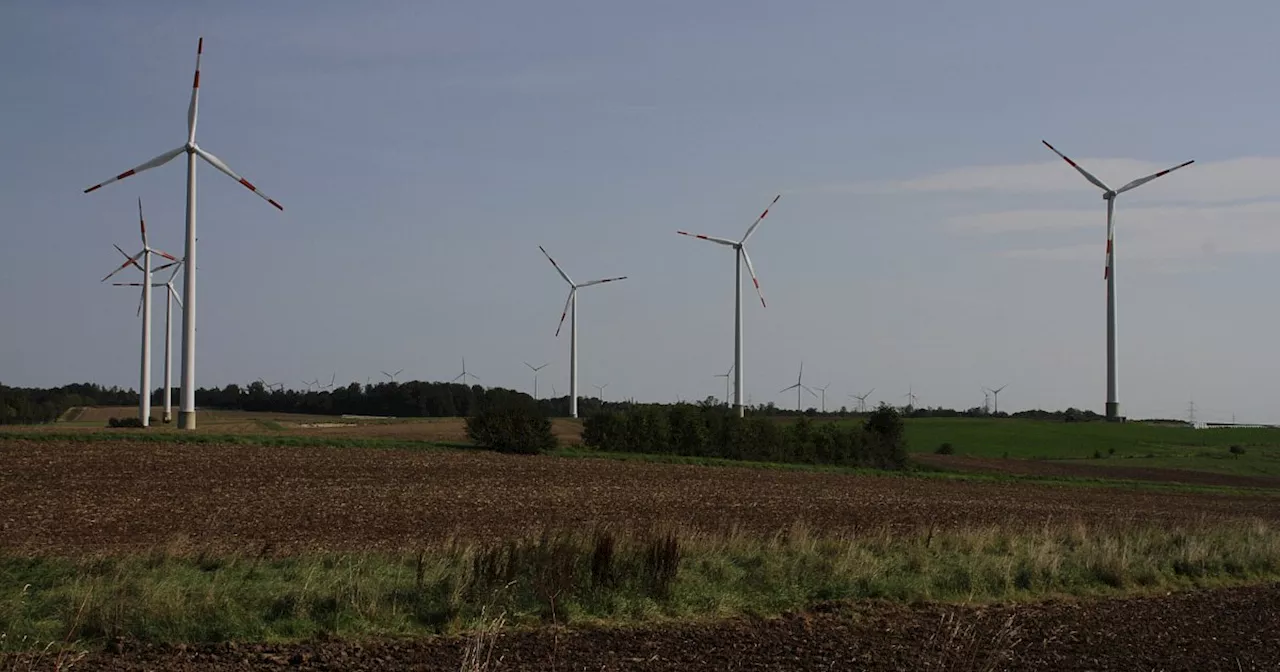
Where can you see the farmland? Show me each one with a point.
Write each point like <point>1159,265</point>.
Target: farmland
<point>306,527</point>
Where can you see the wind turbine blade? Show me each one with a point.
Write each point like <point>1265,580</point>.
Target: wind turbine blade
<point>806,389</point>
<point>752,270</point>
<point>126,284</point>
<point>558,269</point>
<point>1087,175</point>
<point>699,236</point>
<point>166,255</point>
<point>530,366</point>
<point>132,261</point>
<point>175,270</point>
<point>217,163</point>
<point>752,228</point>
<point>126,256</point>
<point>141,296</point>
<point>195,95</point>
<point>161,268</point>
<point>158,161</point>
<point>565,311</point>
<point>174,293</point>
<point>600,282</point>
<point>1143,180</point>
<point>386,374</point>
<point>142,223</point>
<point>787,389</point>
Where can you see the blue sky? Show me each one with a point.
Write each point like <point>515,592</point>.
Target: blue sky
<point>424,150</point>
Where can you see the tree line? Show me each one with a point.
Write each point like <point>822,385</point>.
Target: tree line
<point>407,399</point>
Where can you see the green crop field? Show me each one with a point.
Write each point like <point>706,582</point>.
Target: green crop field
<point>1128,444</point>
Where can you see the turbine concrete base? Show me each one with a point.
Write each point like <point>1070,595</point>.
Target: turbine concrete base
<point>1113,411</point>
<point>186,419</point>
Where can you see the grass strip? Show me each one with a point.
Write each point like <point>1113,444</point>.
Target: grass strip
<point>179,594</point>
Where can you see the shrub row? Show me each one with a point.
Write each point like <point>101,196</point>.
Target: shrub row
<point>715,432</point>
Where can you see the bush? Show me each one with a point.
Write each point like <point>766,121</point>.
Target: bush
<point>945,449</point>
<point>512,429</point>
<point>711,431</point>
<point>124,422</point>
<point>1237,451</point>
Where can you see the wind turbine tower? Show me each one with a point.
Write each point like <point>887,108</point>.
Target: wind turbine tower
<point>571,304</point>
<point>187,409</point>
<point>799,387</point>
<point>1109,272</point>
<point>535,370</point>
<point>740,256</point>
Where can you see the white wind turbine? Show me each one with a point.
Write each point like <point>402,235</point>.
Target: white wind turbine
<point>465,374</point>
<point>823,391</point>
<point>862,400</point>
<point>600,390</point>
<point>171,295</point>
<point>995,395</point>
<point>186,411</point>
<point>740,255</point>
<point>798,387</point>
<point>392,376</point>
<point>572,304</point>
<point>144,384</point>
<point>1109,271</point>
<point>728,381</point>
<point>535,370</point>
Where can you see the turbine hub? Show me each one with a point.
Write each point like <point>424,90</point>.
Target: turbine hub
<point>1109,195</point>
<point>191,148</point>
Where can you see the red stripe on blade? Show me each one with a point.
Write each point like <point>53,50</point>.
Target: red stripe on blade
<point>93,188</point>
<point>247,183</point>
<point>196,84</point>
<point>278,206</point>
<point>200,46</point>
<point>123,175</point>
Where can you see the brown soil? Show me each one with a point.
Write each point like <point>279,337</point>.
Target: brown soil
<point>68,497</point>
<point>1235,629</point>
<point>996,465</point>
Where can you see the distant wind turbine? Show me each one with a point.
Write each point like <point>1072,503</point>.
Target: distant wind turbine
<point>911,398</point>
<point>535,370</point>
<point>144,385</point>
<point>798,387</point>
<point>823,391</point>
<point>464,375</point>
<point>187,409</point>
<point>392,376</point>
<point>170,296</point>
<point>571,303</point>
<point>728,382</point>
<point>600,388</point>
<point>862,400</point>
<point>740,253</point>
<point>1109,272</point>
<point>995,394</point>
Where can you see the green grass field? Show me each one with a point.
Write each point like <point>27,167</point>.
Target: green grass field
<point>1128,444</point>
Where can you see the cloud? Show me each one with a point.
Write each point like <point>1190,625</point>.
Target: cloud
<point>1154,233</point>
<point>1238,179</point>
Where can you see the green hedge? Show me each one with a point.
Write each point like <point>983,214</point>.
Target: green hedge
<point>715,432</point>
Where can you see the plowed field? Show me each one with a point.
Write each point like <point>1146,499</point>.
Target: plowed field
<point>66,497</point>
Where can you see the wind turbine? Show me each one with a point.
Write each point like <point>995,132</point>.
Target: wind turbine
<point>862,400</point>
<point>1109,271</point>
<point>186,411</point>
<point>572,303</point>
<point>600,389</point>
<point>728,376</point>
<point>911,398</point>
<point>392,376</point>
<point>740,255</point>
<point>823,390</point>
<point>144,384</point>
<point>464,375</point>
<point>535,370</point>
<point>332,379</point>
<point>170,296</point>
<point>798,387</point>
<point>995,394</point>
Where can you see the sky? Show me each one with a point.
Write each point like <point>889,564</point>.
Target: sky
<point>925,238</point>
